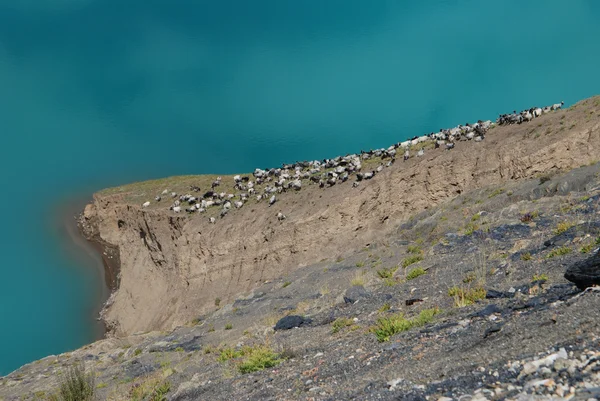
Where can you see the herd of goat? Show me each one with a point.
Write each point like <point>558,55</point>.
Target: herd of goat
<point>265,185</point>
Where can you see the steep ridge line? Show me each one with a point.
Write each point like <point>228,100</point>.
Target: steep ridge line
<point>189,263</point>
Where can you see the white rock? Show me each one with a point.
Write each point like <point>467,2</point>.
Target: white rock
<point>532,366</point>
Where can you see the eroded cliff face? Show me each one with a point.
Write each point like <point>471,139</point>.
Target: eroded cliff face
<point>173,267</point>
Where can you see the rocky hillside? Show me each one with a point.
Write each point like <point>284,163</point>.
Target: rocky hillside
<point>442,277</point>
<point>173,266</point>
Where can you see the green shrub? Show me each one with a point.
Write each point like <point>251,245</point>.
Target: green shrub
<point>358,280</point>
<point>137,351</point>
<point>587,248</point>
<point>539,277</point>
<point>286,284</point>
<point>386,272</point>
<point>228,326</point>
<point>411,260</point>
<point>385,328</point>
<point>526,256</point>
<point>414,273</point>
<point>389,282</point>
<point>562,227</point>
<point>471,228</point>
<point>340,323</point>
<point>77,385</point>
<point>496,193</point>
<point>559,252</point>
<point>253,358</point>
<point>228,353</point>
<point>414,249</point>
<point>258,358</point>
<point>466,296</point>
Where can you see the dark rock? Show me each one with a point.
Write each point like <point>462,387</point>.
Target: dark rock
<point>512,231</point>
<point>585,273</point>
<point>412,301</point>
<point>487,311</point>
<point>491,330</point>
<point>493,294</point>
<point>137,369</point>
<point>355,293</point>
<point>290,322</point>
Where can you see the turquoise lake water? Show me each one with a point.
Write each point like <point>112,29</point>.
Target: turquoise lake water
<point>96,93</point>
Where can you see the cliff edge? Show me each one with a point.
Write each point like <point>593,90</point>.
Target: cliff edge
<point>174,267</point>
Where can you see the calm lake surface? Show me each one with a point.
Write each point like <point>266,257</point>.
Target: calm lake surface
<point>96,93</point>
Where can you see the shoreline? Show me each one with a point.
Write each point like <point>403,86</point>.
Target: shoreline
<point>87,254</point>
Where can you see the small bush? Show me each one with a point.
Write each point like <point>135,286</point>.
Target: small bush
<point>587,248</point>
<point>469,278</point>
<point>360,264</point>
<point>562,227</point>
<point>496,193</point>
<point>414,273</point>
<point>526,256</point>
<point>76,385</point>
<point>559,252</point>
<point>466,296</point>
<point>475,217</point>
<point>385,328</point>
<point>358,279</point>
<point>286,284</point>
<point>386,272</point>
<point>528,217</point>
<point>411,260</point>
<point>217,302</point>
<point>539,277</point>
<point>389,282</point>
<point>152,389</point>
<point>228,326</point>
<point>385,307</point>
<point>340,323</point>
<point>229,353</point>
<point>414,249</point>
<point>137,351</point>
<point>471,228</point>
<point>258,358</point>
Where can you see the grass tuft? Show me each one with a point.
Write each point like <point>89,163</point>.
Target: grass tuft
<point>411,260</point>
<point>466,296</point>
<point>414,273</point>
<point>471,228</point>
<point>76,385</point>
<point>526,256</point>
<point>414,249</point>
<point>385,328</point>
<point>386,272</point>
<point>358,280</point>
<point>562,227</point>
<point>258,358</point>
<point>564,250</point>
<point>340,323</point>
